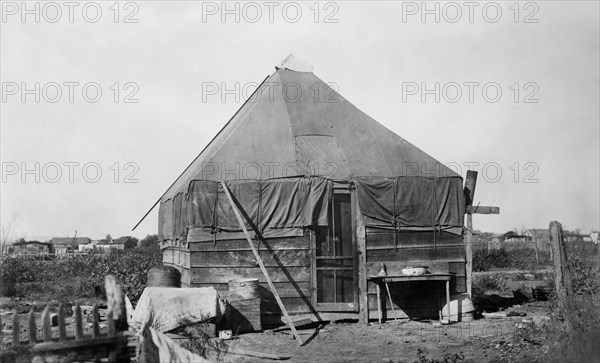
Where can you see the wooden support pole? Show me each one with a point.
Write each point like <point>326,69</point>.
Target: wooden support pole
<point>391,302</point>
<point>562,273</point>
<point>361,245</point>
<point>469,253</point>
<point>379,307</point>
<point>260,262</point>
<point>448,299</point>
<point>470,183</point>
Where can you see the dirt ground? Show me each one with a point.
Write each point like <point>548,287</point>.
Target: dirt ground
<point>508,339</point>
<point>482,340</point>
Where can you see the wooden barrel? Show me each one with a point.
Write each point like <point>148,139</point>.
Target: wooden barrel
<point>164,276</point>
<point>246,289</point>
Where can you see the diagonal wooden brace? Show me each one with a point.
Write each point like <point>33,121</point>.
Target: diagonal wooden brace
<point>260,263</point>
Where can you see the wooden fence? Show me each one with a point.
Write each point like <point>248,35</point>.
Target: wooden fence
<point>115,345</point>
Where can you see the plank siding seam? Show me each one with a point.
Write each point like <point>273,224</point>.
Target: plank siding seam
<point>248,266</point>
<point>248,250</point>
<point>400,247</point>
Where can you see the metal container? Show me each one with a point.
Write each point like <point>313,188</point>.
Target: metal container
<point>414,271</point>
<point>164,276</point>
<point>225,334</point>
<point>245,289</point>
<point>461,308</point>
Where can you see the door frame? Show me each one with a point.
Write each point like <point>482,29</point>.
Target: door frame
<point>337,307</point>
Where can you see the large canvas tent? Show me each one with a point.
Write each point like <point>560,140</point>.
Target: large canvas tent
<point>329,193</point>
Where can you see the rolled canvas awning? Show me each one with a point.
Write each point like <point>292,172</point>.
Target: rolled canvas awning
<point>285,204</point>
<point>289,204</point>
<point>412,203</point>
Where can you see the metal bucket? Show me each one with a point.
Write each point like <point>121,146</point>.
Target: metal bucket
<point>245,289</point>
<point>164,276</point>
<point>461,308</point>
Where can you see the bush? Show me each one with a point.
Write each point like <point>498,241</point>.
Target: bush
<point>519,258</point>
<point>78,276</point>
<point>11,270</point>
<point>585,274</point>
<point>150,240</point>
<point>582,309</point>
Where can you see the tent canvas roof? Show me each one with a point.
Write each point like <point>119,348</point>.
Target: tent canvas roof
<point>296,125</point>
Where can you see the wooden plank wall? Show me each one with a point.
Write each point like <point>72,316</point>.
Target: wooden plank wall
<point>178,257</point>
<point>442,253</point>
<point>287,260</point>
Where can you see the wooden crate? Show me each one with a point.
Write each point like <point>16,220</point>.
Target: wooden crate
<point>243,316</point>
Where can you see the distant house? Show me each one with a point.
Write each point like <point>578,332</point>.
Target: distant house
<point>594,237</point>
<point>572,236</point>
<point>541,237</point>
<point>515,239</point>
<point>105,244</point>
<point>88,247</point>
<point>32,248</point>
<point>64,246</point>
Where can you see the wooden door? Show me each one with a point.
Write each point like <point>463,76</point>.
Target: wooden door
<point>335,272</point>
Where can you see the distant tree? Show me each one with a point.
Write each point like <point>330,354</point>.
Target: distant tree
<point>150,240</point>
<point>7,229</point>
<point>130,242</point>
<point>108,237</point>
<point>519,231</point>
<point>510,234</point>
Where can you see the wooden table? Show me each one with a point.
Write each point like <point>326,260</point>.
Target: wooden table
<point>403,278</point>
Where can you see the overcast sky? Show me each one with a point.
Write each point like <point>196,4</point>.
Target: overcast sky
<point>535,144</point>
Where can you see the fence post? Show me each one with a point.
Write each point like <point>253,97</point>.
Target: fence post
<point>115,301</point>
<point>78,322</point>
<point>16,329</point>
<point>562,273</point>
<point>46,331</point>
<point>95,328</point>
<point>62,332</point>
<point>535,241</point>
<point>110,322</point>
<point>31,326</point>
